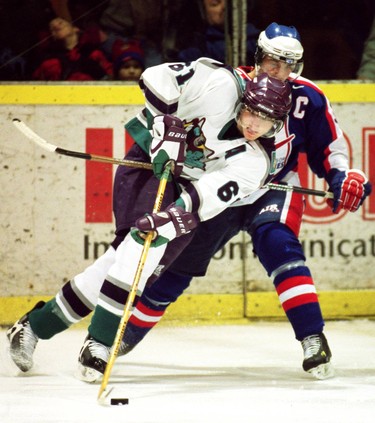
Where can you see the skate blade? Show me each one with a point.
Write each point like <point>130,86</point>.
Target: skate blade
<point>16,363</point>
<point>323,371</point>
<point>87,374</point>
<point>9,365</point>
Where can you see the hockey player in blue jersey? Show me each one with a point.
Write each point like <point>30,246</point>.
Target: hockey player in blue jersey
<point>311,127</point>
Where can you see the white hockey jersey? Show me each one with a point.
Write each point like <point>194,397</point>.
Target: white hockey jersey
<point>221,166</point>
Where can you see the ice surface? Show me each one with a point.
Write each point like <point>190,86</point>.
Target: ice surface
<point>201,374</point>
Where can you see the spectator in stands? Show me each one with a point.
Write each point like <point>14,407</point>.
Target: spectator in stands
<point>73,55</point>
<point>208,38</point>
<point>128,61</point>
<point>367,67</point>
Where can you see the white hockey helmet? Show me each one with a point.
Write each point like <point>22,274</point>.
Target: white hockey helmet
<point>281,43</point>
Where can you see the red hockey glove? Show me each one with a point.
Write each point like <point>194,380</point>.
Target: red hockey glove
<point>169,224</point>
<point>350,188</point>
<point>168,143</point>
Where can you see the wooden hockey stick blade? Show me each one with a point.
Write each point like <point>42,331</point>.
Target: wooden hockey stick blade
<point>103,390</point>
<point>300,190</point>
<point>33,136</point>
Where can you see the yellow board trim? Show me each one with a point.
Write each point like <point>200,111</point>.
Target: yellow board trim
<point>71,95</point>
<point>115,94</point>
<point>348,93</point>
<point>224,308</point>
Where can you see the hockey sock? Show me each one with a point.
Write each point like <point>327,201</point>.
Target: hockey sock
<point>74,301</point>
<point>142,320</point>
<point>282,256</point>
<point>51,314</point>
<point>299,300</point>
<point>152,305</point>
<point>104,325</point>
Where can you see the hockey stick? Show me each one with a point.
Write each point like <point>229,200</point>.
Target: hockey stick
<point>29,133</point>
<point>103,392</point>
<point>300,190</point>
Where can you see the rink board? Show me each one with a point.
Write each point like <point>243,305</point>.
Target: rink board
<point>220,309</point>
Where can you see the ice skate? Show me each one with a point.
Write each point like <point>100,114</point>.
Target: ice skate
<point>22,341</point>
<point>92,360</point>
<point>317,356</point>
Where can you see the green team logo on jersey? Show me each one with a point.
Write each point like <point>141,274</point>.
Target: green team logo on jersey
<point>197,154</point>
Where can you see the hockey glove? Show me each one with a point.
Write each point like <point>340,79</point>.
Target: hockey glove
<point>173,222</point>
<point>350,188</point>
<point>168,144</point>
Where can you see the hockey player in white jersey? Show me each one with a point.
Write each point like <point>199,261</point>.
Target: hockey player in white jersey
<point>310,127</point>
<point>220,138</point>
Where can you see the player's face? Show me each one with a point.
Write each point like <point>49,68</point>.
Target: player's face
<point>252,125</point>
<point>276,68</point>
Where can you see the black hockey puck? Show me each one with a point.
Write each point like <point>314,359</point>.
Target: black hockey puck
<point>119,401</point>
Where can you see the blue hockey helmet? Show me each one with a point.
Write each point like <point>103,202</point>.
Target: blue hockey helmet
<point>282,43</point>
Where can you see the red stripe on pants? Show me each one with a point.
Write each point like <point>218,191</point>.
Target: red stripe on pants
<point>294,216</point>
